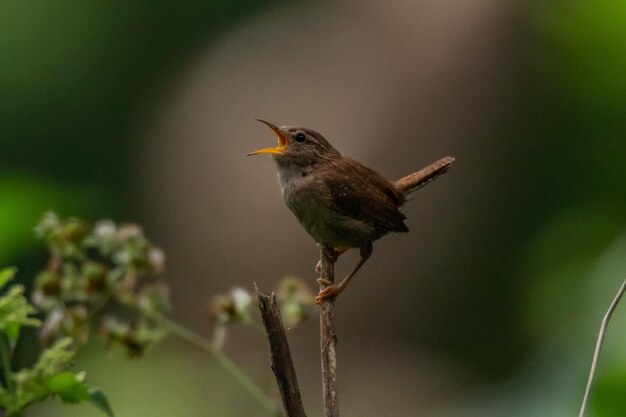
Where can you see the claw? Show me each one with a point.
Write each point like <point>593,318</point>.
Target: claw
<point>330,293</point>
<point>324,281</point>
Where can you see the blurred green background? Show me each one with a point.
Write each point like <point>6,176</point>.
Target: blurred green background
<point>143,111</point>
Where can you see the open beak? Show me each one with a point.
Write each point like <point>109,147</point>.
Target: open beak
<point>282,141</point>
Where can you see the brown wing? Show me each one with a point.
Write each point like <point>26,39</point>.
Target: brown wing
<point>361,193</point>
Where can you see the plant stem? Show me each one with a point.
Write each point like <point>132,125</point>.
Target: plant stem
<point>328,337</point>
<point>222,359</point>
<point>596,354</point>
<point>5,351</point>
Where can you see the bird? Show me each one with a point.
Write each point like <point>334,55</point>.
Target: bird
<point>340,202</point>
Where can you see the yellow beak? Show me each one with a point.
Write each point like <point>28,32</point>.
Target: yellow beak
<point>282,141</point>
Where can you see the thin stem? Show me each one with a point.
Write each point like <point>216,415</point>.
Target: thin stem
<point>5,351</point>
<point>6,363</point>
<point>221,358</point>
<point>328,337</point>
<point>596,354</point>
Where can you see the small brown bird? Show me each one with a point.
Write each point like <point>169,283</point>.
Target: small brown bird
<point>340,202</point>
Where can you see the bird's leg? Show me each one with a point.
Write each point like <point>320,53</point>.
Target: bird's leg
<point>332,291</point>
<point>318,266</point>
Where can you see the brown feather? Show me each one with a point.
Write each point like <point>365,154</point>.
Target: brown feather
<point>413,182</point>
<point>362,193</point>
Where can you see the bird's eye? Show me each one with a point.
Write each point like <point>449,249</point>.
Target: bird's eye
<point>300,137</point>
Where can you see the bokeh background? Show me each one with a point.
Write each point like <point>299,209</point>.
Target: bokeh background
<point>143,111</point>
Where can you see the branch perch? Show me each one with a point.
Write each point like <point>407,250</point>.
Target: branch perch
<point>282,364</point>
<point>328,337</point>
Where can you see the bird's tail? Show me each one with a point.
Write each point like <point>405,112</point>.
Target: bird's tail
<point>413,182</point>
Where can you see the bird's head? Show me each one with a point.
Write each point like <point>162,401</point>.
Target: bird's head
<point>298,145</point>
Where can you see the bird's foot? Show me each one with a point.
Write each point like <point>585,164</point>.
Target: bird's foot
<point>329,293</point>
<point>324,281</point>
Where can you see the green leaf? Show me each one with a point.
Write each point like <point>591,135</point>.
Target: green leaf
<point>6,275</point>
<point>49,376</point>
<point>56,358</point>
<point>15,311</point>
<point>70,387</point>
<point>98,399</point>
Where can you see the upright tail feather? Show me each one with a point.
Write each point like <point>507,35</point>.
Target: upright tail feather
<point>413,182</point>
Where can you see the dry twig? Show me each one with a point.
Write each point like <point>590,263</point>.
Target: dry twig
<point>282,364</point>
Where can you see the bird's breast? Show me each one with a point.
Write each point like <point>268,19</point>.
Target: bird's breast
<point>310,200</point>
<point>304,194</point>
